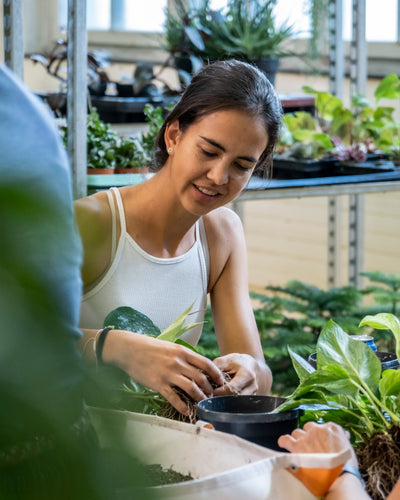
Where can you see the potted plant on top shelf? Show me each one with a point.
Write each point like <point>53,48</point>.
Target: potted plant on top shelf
<point>248,31</point>
<point>347,139</point>
<point>185,32</point>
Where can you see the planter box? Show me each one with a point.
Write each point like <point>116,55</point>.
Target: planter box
<point>223,466</point>
<point>300,169</point>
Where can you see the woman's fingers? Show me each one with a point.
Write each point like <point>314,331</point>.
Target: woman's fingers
<point>241,368</point>
<point>286,441</point>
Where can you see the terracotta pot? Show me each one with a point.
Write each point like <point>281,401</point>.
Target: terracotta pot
<point>130,170</point>
<point>97,171</point>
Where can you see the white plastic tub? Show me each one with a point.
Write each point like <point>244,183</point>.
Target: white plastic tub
<point>224,466</point>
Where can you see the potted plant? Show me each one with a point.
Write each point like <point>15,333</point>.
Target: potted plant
<point>185,32</point>
<point>248,31</point>
<point>108,153</point>
<point>135,154</point>
<point>339,139</point>
<point>349,388</point>
<point>101,145</point>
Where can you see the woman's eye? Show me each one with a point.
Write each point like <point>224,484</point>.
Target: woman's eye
<point>243,167</point>
<point>209,154</point>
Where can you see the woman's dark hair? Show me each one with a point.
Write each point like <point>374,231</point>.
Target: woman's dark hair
<point>224,85</point>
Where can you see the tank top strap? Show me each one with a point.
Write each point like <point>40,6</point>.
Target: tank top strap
<point>201,236</point>
<point>121,214</point>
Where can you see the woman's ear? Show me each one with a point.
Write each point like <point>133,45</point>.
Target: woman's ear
<point>172,134</point>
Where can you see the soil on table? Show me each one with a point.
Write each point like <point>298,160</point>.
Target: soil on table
<point>155,475</point>
<point>379,463</point>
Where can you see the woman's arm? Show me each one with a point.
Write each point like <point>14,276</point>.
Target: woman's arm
<point>327,438</point>
<point>235,325</point>
<point>156,364</point>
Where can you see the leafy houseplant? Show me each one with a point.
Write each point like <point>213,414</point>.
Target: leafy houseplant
<point>248,31</point>
<point>107,152</point>
<point>349,388</point>
<point>184,36</point>
<point>338,140</point>
<point>345,133</point>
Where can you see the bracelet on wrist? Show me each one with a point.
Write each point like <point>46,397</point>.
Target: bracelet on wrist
<point>99,343</point>
<point>351,469</point>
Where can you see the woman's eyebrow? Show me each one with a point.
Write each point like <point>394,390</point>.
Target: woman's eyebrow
<point>215,144</point>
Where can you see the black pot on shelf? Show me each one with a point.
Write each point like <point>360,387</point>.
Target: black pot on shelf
<point>250,417</point>
<point>388,360</point>
<point>269,66</point>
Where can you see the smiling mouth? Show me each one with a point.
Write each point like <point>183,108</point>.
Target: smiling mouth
<point>208,192</point>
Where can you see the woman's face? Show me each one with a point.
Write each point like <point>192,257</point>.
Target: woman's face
<point>214,158</point>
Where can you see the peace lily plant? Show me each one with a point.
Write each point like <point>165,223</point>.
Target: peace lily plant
<point>348,387</point>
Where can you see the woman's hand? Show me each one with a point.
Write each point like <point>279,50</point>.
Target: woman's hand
<point>242,369</point>
<point>318,438</point>
<point>162,365</point>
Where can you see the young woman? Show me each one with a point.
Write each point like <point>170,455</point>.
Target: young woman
<point>165,244</point>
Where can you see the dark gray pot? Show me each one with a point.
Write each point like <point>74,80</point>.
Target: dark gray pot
<point>269,65</point>
<point>250,417</point>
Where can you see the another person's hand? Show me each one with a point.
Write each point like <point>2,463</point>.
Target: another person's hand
<point>327,438</point>
<point>318,438</point>
<point>242,369</point>
<point>162,366</point>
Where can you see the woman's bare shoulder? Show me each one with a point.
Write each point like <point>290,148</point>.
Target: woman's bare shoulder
<point>222,222</point>
<point>92,213</point>
<point>93,217</point>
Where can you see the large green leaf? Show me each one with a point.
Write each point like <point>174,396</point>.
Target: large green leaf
<point>127,318</point>
<point>335,347</point>
<point>388,88</point>
<point>302,367</point>
<point>385,321</point>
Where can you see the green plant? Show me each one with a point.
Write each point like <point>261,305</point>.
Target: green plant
<point>101,143</point>
<point>184,35</point>
<point>247,30</point>
<point>106,149</point>
<point>349,382</point>
<point>122,392</point>
<point>387,292</point>
<point>349,388</point>
<point>301,137</point>
<point>347,133</point>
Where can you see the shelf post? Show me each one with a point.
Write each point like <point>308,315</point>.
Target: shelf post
<point>77,95</point>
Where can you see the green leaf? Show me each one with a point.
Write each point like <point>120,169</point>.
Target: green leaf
<point>185,344</point>
<point>385,321</point>
<point>177,328</point>
<point>335,347</point>
<point>127,318</point>
<point>331,379</point>
<point>388,88</point>
<point>302,367</point>
<point>390,384</point>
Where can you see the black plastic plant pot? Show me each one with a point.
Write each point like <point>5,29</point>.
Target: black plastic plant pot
<point>250,417</point>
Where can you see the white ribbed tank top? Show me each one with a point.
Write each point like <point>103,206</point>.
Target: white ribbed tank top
<point>160,288</point>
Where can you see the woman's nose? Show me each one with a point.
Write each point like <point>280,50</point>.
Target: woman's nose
<point>219,173</point>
